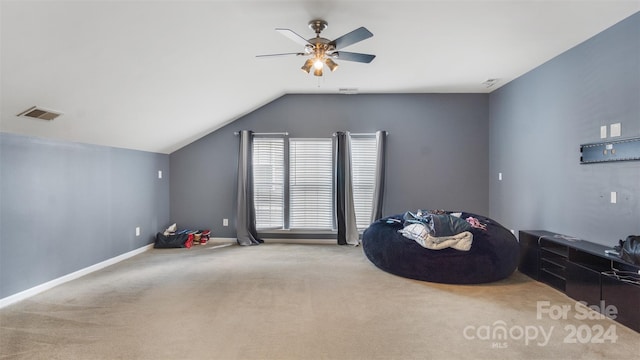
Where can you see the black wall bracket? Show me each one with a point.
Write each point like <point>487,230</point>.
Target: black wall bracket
<point>618,150</point>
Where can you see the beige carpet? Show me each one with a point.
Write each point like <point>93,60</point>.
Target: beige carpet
<point>288,301</point>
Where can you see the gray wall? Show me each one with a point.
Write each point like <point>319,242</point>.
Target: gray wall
<point>437,152</point>
<point>67,206</point>
<point>538,122</point>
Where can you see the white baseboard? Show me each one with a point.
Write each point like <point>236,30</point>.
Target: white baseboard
<point>66,278</point>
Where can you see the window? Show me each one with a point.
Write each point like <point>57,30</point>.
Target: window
<point>311,184</point>
<point>268,182</point>
<point>363,172</point>
<point>293,182</point>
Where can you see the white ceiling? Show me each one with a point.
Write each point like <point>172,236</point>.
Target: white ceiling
<point>157,75</point>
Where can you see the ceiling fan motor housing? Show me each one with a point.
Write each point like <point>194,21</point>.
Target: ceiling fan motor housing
<point>318,25</point>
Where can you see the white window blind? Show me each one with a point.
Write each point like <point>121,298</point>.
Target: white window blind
<point>363,169</point>
<point>268,182</point>
<point>310,184</point>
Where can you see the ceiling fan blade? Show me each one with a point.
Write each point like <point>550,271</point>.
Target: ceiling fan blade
<point>351,56</point>
<point>351,38</point>
<point>293,36</point>
<point>281,54</point>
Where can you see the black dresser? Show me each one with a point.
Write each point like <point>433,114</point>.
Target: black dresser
<point>583,271</point>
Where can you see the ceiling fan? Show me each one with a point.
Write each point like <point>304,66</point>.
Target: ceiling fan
<point>323,51</point>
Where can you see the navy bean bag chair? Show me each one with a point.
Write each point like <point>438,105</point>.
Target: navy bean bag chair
<point>494,253</point>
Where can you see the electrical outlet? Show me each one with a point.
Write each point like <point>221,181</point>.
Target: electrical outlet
<point>159,174</point>
<point>138,231</point>
<point>614,197</point>
<point>500,176</point>
<point>225,222</point>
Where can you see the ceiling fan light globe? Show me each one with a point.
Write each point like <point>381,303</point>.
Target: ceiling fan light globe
<point>307,66</point>
<point>317,64</point>
<point>331,64</point>
<point>317,72</point>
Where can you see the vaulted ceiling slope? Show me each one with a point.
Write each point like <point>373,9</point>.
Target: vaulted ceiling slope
<point>157,75</point>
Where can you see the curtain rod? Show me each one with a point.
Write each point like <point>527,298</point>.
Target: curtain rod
<point>361,134</point>
<point>358,134</point>
<point>286,133</point>
<point>270,133</point>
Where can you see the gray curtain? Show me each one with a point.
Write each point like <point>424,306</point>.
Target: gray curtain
<point>345,210</point>
<point>246,216</point>
<point>378,192</point>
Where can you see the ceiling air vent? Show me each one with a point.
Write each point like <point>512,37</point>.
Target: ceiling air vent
<point>348,91</point>
<point>40,113</point>
<point>489,83</point>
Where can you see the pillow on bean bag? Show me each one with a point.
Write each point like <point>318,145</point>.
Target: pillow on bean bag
<point>437,224</point>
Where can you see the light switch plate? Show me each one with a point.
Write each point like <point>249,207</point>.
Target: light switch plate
<point>614,197</point>
<point>615,130</point>
<point>603,132</point>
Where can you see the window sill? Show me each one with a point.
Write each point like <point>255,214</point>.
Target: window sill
<point>297,232</point>
<point>300,233</point>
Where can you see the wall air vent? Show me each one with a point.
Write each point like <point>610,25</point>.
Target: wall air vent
<point>40,113</point>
